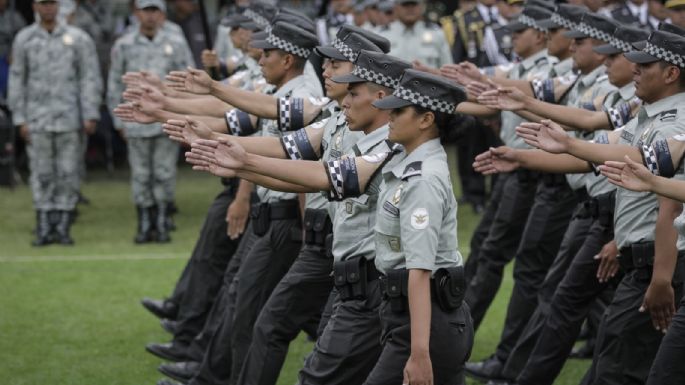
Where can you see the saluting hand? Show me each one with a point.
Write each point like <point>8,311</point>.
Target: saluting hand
<point>547,136</point>
<point>629,174</point>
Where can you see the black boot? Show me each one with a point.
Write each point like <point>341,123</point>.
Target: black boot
<point>170,211</point>
<point>144,225</point>
<point>62,228</point>
<point>43,229</point>
<point>161,222</point>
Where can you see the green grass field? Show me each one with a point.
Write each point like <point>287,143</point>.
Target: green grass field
<point>71,315</point>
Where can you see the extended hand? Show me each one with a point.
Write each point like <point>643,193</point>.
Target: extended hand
<point>230,154</point>
<point>193,80</point>
<point>496,160</point>
<point>629,174</point>
<point>546,135</point>
<point>503,98</point>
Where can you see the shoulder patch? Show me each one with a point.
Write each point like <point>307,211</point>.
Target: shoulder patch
<point>419,218</point>
<point>412,169</point>
<point>668,116</point>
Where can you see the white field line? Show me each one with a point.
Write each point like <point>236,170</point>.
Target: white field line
<point>86,258</point>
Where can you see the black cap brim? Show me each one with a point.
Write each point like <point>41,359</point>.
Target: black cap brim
<point>330,52</point>
<point>606,49</point>
<point>516,26</point>
<point>391,102</point>
<point>348,78</point>
<point>262,44</point>
<point>574,34</point>
<point>548,24</point>
<point>641,57</point>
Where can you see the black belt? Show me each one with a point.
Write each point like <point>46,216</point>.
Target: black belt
<point>448,288</point>
<point>351,276</point>
<point>637,257</point>
<point>280,210</point>
<point>525,175</point>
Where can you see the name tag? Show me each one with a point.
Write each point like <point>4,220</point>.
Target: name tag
<point>627,136</point>
<point>394,211</point>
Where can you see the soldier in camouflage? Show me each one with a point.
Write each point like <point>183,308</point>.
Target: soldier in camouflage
<point>54,92</point>
<point>152,156</point>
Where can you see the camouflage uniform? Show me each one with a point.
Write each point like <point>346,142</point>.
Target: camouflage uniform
<point>152,155</point>
<point>54,86</point>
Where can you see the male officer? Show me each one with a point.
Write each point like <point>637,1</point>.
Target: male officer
<point>152,156</point>
<point>413,39</point>
<point>54,92</point>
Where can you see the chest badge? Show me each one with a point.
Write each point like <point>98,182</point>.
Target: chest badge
<point>427,37</point>
<point>168,49</point>
<point>67,39</point>
<point>338,141</point>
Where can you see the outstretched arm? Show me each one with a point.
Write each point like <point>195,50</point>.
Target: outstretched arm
<point>506,159</point>
<point>635,176</point>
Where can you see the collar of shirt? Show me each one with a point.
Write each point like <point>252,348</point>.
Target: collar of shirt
<point>367,142</point>
<point>418,155</point>
<point>60,28</point>
<point>144,39</point>
<point>417,28</point>
<point>563,67</point>
<point>532,60</point>
<point>671,102</point>
<point>640,11</point>
<point>627,92</point>
<point>591,78</point>
<point>290,85</point>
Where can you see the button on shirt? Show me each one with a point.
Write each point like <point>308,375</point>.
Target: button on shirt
<point>416,223</point>
<point>636,212</point>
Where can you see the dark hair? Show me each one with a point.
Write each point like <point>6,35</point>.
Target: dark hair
<point>450,126</point>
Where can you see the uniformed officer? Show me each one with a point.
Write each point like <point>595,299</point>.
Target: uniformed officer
<point>348,346</point>
<point>339,12</point>
<point>650,282</point>
<point>286,49</point>
<point>631,12</point>
<point>510,209</point>
<point>573,276</point>
<point>676,12</point>
<point>634,176</point>
<point>152,156</point>
<point>54,92</point>
<point>413,39</point>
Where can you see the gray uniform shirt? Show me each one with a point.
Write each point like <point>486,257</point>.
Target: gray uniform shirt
<point>355,217</point>
<point>297,87</point>
<point>416,223</point>
<point>134,52</point>
<point>54,82</point>
<point>535,66</point>
<point>636,212</point>
<point>419,42</point>
<point>597,184</point>
<point>588,92</point>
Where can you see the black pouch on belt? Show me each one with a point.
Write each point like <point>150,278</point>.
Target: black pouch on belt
<point>350,278</point>
<point>449,287</point>
<point>329,245</point>
<point>260,215</point>
<point>397,290</point>
<point>317,226</point>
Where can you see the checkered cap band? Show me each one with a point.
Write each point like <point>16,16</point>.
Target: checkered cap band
<point>595,33</point>
<point>288,46</point>
<point>375,77</point>
<point>665,54</point>
<point>284,115</point>
<point>291,147</point>
<point>345,50</point>
<point>562,21</point>
<point>258,19</point>
<point>529,21</point>
<point>336,179</point>
<point>650,159</point>
<point>423,100</point>
<point>233,122</point>
<point>620,44</point>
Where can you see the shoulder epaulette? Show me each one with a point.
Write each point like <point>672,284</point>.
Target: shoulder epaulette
<point>412,169</point>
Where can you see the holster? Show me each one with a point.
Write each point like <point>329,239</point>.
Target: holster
<point>260,215</point>
<point>449,287</point>
<point>396,289</point>
<point>329,245</point>
<point>351,276</point>
<point>638,256</point>
<point>317,226</point>
<point>605,208</point>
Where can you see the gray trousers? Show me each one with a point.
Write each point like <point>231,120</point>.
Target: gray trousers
<point>153,169</point>
<point>54,162</point>
<point>349,345</point>
<point>451,340</point>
